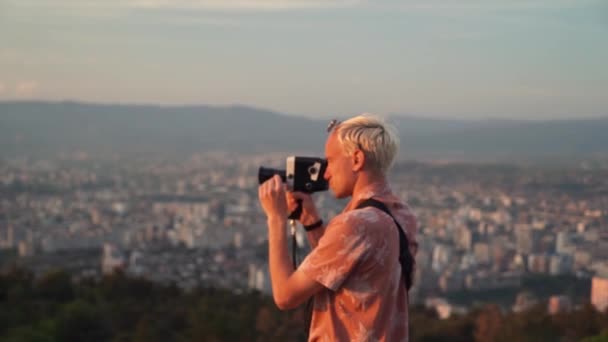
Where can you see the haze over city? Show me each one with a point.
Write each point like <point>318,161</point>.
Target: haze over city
<point>536,59</point>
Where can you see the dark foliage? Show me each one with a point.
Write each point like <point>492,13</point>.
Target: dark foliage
<point>122,308</point>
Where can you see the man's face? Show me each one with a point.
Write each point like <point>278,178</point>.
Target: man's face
<point>339,172</point>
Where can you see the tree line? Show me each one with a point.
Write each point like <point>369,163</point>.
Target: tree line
<point>124,308</point>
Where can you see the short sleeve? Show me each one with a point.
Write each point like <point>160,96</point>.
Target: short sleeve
<point>341,248</point>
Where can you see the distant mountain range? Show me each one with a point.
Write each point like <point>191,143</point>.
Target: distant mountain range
<point>36,127</point>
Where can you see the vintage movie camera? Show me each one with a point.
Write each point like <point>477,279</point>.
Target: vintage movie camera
<point>301,174</point>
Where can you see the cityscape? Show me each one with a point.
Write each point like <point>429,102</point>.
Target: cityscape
<point>132,133</point>
<point>487,232</point>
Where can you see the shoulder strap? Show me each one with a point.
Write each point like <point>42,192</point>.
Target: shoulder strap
<point>405,257</point>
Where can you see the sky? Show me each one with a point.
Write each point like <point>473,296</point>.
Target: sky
<point>511,59</point>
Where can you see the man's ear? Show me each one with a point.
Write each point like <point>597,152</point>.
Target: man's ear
<point>358,160</point>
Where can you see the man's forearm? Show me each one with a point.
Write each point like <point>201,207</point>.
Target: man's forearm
<point>278,258</point>
<point>315,234</point>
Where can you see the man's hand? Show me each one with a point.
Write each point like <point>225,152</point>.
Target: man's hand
<point>309,210</point>
<point>273,199</point>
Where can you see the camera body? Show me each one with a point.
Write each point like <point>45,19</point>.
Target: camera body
<point>302,174</point>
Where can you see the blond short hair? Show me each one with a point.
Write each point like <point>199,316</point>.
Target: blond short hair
<point>373,136</point>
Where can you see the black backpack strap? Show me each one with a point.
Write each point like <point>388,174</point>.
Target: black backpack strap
<point>405,257</point>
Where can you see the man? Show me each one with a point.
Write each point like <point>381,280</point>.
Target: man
<point>353,270</point>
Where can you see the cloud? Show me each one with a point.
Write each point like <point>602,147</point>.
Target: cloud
<point>2,88</point>
<point>439,7</point>
<point>26,88</point>
<point>245,4</point>
<point>227,5</point>
<point>483,5</point>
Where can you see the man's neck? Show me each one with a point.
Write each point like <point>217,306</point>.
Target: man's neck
<point>366,179</point>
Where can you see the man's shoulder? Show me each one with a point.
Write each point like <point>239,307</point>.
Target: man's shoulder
<point>342,219</point>
<point>356,219</point>
<point>356,214</point>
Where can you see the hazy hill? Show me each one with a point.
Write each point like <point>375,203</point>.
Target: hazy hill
<point>505,138</point>
<point>31,126</point>
<point>46,127</point>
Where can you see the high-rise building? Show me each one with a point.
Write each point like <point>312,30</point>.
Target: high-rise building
<point>238,240</point>
<point>464,238</point>
<point>259,278</point>
<point>562,243</point>
<point>442,256</point>
<point>582,259</point>
<point>599,293</point>
<point>25,248</point>
<point>482,252</point>
<point>559,304</point>
<point>135,261</point>
<point>10,236</point>
<point>538,263</point>
<point>524,239</point>
<point>561,264</point>
<point>111,259</point>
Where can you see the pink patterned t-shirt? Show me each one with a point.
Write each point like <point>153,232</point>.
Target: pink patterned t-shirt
<point>356,260</point>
